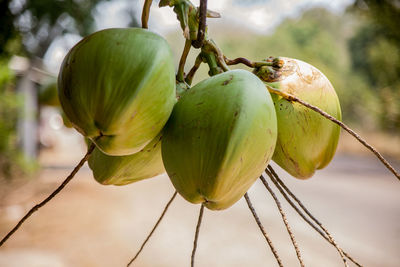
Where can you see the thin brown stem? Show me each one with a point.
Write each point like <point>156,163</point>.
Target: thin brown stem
<point>182,61</point>
<point>276,62</point>
<point>326,235</point>
<point>257,219</point>
<point>293,98</point>
<point>295,207</point>
<point>154,228</point>
<point>196,236</point>
<point>51,196</point>
<point>146,13</point>
<point>280,184</point>
<point>285,221</point>
<point>202,25</point>
<point>193,70</point>
<point>239,60</point>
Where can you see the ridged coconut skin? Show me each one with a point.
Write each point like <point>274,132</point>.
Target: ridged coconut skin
<point>219,138</point>
<point>122,170</point>
<point>117,87</point>
<point>306,140</point>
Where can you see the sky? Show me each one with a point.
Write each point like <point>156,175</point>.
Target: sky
<point>258,15</point>
<point>261,16</point>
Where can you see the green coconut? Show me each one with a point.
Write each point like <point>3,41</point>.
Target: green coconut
<point>122,170</point>
<point>117,87</point>
<point>306,140</point>
<point>219,138</point>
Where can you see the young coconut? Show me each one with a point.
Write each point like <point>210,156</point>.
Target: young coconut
<point>219,138</point>
<point>117,87</point>
<point>306,140</point>
<point>122,170</point>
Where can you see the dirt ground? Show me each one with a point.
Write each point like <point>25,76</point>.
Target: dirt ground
<point>89,224</point>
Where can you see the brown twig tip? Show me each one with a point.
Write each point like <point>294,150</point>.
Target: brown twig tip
<point>293,98</point>
<point>257,219</point>
<point>196,236</point>
<point>285,221</point>
<point>51,196</point>
<point>202,25</point>
<point>153,230</point>
<point>146,13</point>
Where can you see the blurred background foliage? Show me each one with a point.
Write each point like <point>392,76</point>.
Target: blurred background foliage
<point>28,27</point>
<point>359,51</point>
<point>9,157</point>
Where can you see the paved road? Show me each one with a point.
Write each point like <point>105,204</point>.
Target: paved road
<point>93,225</point>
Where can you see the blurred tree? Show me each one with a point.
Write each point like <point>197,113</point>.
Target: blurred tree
<point>375,54</point>
<point>38,23</point>
<point>384,13</point>
<point>7,30</point>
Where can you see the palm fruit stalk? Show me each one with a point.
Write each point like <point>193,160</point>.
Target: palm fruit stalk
<point>122,170</point>
<point>306,140</point>
<point>117,87</point>
<point>219,138</point>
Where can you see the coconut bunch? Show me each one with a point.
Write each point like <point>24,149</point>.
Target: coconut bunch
<point>117,88</point>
